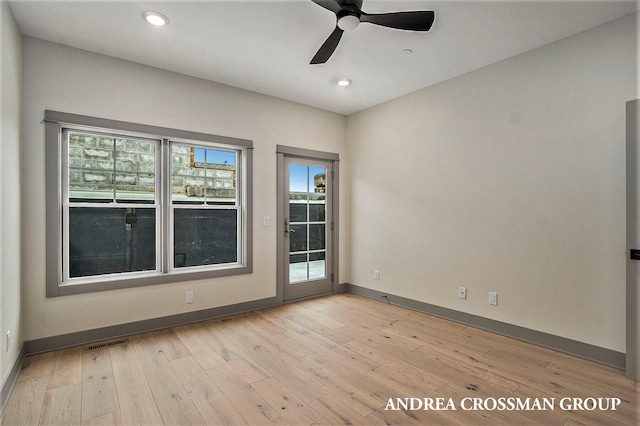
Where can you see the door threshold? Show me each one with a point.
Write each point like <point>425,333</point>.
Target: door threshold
<point>313,296</point>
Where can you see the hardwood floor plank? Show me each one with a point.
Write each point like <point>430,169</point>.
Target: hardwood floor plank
<point>229,351</point>
<point>335,335</point>
<point>337,412</point>
<point>111,419</point>
<point>287,403</point>
<point>249,403</point>
<point>37,366</point>
<point>137,404</point>
<point>449,343</point>
<point>546,417</point>
<point>61,406</point>
<point>593,376</point>
<point>198,347</point>
<point>249,341</point>
<point>399,367</point>
<point>98,386</point>
<point>172,400</point>
<point>67,368</point>
<point>404,417</point>
<point>211,402</point>
<point>381,338</point>
<point>472,367</point>
<point>25,405</point>
<point>326,375</point>
<point>171,345</point>
<point>322,350</point>
<point>312,320</point>
<point>466,413</point>
<point>265,324</point>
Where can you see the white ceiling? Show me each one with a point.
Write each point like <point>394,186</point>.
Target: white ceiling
<point>266,45</point>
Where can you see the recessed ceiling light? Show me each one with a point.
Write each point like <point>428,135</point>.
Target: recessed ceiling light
<point>155,18</point>
<point>344,82</point>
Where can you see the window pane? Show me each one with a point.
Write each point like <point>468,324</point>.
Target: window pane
<point>135,169</point>
<point>111,240</point>
<point>205,237</point>
<point>297,238</point>
<point>316,212</point>
<point>317,237</point>
<point>317,265</point>
<point>202,175</point>
<point>297,212</point>
<point>298,178</point>
<point>91,163</point>
<point>101,168</point>
<point>298,268</point>
<point>317,179</point>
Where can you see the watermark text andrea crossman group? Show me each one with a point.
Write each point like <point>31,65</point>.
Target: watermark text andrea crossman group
<point>503,404</point>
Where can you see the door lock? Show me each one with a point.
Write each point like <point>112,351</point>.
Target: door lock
<point>287,227</point>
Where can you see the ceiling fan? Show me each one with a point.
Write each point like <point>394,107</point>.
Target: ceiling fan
<point>349,14</point>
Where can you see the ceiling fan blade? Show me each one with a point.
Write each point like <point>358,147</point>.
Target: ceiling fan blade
<point>331,5</point>
<point>412,21</point>
<point>328,47</point>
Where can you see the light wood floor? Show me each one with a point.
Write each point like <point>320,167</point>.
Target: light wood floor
<point>332,360</point>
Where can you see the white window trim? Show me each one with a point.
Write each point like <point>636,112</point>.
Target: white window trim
<point>55,163</point>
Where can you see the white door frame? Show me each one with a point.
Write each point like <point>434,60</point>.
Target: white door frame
<point>287,151</point>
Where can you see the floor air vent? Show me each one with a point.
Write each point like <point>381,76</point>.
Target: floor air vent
<point>108,344</point>
<point>221,320</point>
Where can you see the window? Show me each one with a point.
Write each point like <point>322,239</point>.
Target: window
<point>139,205</point>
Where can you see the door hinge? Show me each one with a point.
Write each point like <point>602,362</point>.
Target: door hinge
<point>333,226</point>
<point>331,277</point>
<point>333,175</point>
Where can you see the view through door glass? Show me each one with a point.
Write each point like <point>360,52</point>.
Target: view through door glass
<point>308,226</point>
<point>309,229</point>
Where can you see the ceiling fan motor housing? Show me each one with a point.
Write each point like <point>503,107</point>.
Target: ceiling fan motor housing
<point>348,20</point>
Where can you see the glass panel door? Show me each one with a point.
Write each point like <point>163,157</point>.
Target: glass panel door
<point>307,228</point>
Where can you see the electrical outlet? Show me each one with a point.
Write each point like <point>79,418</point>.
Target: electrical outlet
<point>266,221</point>
<point>493,298</point>
<point>376,275</point>
<point>462,292</point>
<point>189,297</point>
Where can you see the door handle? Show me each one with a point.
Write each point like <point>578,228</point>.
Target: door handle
<point>287,227</point>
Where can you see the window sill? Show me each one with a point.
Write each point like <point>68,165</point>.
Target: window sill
<point>117,283</point>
